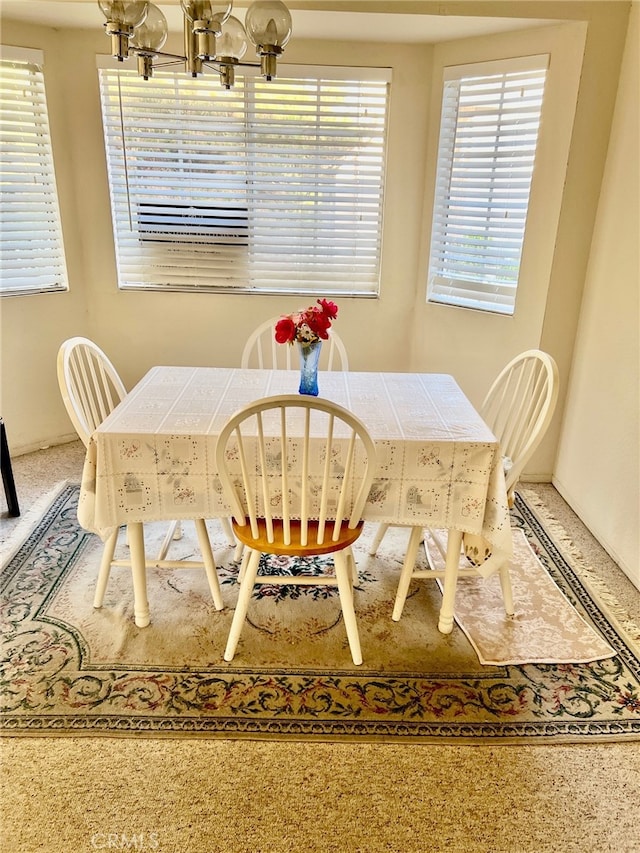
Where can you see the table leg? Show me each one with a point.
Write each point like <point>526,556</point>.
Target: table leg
<point>454,543</point>
<point>135,536</point>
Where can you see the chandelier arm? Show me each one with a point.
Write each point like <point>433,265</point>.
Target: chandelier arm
<point>178,61</point>
<point>212,64</point>
<point>178,57</point>
<point>217,65</point>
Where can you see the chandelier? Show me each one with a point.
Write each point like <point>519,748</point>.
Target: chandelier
<point>213,38</point>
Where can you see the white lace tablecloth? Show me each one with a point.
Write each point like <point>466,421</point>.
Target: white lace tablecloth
<point>439,465</point>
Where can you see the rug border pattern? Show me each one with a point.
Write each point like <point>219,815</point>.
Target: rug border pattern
<point>138,724</point>
<point>571,581</point>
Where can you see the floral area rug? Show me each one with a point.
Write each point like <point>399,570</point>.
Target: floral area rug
<point>70,669</point>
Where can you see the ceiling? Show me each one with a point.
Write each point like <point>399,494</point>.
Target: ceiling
<point>307,23</point>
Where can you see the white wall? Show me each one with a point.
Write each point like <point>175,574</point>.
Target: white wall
<point>598,468</point>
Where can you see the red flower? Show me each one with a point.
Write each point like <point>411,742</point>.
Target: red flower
<point>318,322</point>
<point>306,326</point>
<point>285,330</point>
<point>329,308</point>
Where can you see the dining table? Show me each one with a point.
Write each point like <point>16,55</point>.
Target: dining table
<point>438,465</point>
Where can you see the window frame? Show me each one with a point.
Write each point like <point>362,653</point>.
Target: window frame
<point>326,282</point>
<point>489,294</point>
<point>39,167</point>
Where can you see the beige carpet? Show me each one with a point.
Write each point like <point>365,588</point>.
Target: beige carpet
<point>72,795</point>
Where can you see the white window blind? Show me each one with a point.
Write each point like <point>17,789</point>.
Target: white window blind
<point>270,186</point>
<point>488,136</point>
<point>31,248</point>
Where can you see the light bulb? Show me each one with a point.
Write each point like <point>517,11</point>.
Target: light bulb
<point>128,12</point>
<point>232,42</point>
<point>151,35</point>
<point>231,46</point>
<point>210,11</point>
<point>268,24</point>
<point>207,18</point>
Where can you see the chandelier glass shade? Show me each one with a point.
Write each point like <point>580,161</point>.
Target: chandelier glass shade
<point>213,38</point>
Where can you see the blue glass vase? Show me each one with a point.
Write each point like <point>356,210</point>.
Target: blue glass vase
<point>309,357</point>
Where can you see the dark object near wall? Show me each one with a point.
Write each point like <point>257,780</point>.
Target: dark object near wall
<point>7,473</point>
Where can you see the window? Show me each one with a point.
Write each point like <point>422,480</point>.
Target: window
<point>31,249</point>
<point>486,154</point>
<point>274,187</point>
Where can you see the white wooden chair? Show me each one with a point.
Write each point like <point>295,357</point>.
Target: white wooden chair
<point>263,351</point>
<point>297,471</point>
<point>91,388</point>
<point>518,408</point>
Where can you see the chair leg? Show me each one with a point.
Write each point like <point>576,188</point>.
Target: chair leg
<point>440,545</point>
<point>228,532</point>
<point>242,605</point>
<point>407,570</point>
<point>353,566</point>
<point>507,592</point>
<point>105,568</point>
<point>174,532</point>
<point>209,563</point>
<point>377,539</point>
<point>345,590</point>
<point>245,554</point>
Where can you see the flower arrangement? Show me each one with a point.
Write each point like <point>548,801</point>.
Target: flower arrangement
<point>307,326</point>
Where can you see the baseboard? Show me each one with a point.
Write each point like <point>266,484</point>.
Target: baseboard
<point>535,478</point>
<point>22,450</point>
